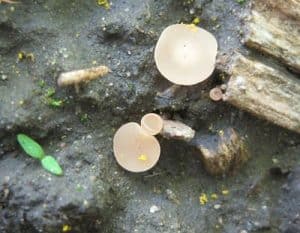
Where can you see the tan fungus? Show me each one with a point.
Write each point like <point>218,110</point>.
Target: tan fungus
<point>134,149</point>
<point>185,54</point>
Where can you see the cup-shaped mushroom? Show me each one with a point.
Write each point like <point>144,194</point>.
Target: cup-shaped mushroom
<point>185,54</point>
<point>134,150</point>
<point>152,123</point>
<point>216,94</point>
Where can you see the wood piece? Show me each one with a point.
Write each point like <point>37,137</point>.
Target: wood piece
<point>222,153</point>
<point>269,93</point>
<point>273,28</point>
<point>177,130</point>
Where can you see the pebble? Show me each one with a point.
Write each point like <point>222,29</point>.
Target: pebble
<point>172,196</point>
<point>154,209</point>
<point>217,206</point>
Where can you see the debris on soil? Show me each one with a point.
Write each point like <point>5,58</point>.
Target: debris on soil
<point>172,196</point>
<point>104,3</point>
<point>154,209</point>
<point>23,55</point>
<point>274,29</point>
<point>289,206</point>
<point>222,153</point>
<point>169,92</point>
<point>265,91</point>
<point>203,199</point>
<point>79,76</point>
<point>9,1</point>
<point>177,130</point>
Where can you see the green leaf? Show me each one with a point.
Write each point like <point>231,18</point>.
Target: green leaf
<point>30,146</point>
<point>51,165</point>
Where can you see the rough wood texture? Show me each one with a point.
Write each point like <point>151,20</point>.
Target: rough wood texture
<point>274,28</point>
<point>222,153</point>
<point>266,92</point>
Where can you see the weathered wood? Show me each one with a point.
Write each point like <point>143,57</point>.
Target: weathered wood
<point>222,153</point>
<point>269,93</point>
<point>274,28</point>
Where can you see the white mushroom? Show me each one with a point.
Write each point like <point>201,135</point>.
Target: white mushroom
<point>186,54</point>
<point>152,123</point>
<point>135,150</point>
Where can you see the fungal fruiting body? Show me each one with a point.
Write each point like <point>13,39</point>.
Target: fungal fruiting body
<point>185,54</point>
<point>135,147</point>
<point>216,94</point>
<point>152,123</point>
<point>78,76</point>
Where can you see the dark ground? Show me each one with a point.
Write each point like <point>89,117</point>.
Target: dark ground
<point>95,194</point>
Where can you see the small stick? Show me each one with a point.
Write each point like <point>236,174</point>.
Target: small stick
<point>78,76</point>
<point>9,1</point>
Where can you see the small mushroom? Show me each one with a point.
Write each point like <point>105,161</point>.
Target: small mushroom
<point>216,94</point>
<point>185,54</point>
<point>134,149</point>
<point>152,123</point>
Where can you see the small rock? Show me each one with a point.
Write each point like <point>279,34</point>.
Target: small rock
<point>177,130</point>
<point>154,209</point>
<point>172,196</point>
<point>217,206</point>
<point>222,153</point>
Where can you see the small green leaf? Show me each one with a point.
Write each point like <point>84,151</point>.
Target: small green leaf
<point>51,165</point>
<point>30,146</point>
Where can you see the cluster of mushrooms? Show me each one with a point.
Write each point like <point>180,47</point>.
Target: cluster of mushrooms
<point>185,55</point>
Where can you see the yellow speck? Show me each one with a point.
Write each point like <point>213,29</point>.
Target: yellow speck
<point>21,55</point>
<point>214,196</point>
<point>94,62</point>
<point>203,199</point>
<point>21,102</point>
<point>143,157</point>
<point>225,192</point>
<point>104,3</point>
<point>66,228</point>
<point>192,27</point>
<point>196,21</point>
<point>221,132</point>
<point>217,226</point>
<point>275,161</point>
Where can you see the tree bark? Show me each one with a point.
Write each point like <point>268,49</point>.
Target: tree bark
<point>267,92</point>
<point>273,28</point>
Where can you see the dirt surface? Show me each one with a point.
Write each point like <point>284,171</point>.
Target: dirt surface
<point>95,194</point>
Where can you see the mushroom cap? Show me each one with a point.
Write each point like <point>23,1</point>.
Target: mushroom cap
<point>152,123</point>
<point>185,54</point>
<point>216,94</point>
<point>131,143</point>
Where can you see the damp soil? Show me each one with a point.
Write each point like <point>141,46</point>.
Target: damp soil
<point>95,194</point>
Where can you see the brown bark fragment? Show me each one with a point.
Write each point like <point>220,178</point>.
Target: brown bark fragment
<point>274,28</point>
<point>269,93</point>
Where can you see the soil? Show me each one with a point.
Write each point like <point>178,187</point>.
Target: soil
<point>95,194</point>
